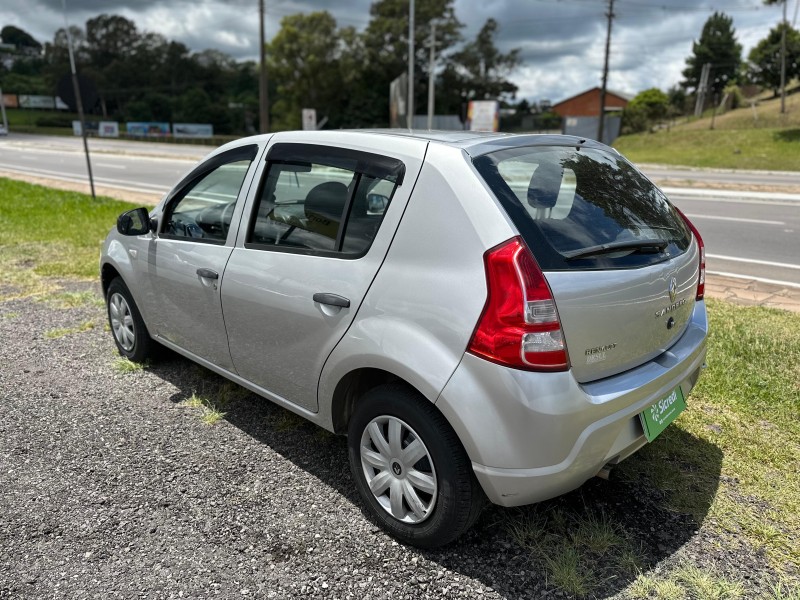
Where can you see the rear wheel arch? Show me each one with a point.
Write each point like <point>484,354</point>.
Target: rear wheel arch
<point>457,498</point>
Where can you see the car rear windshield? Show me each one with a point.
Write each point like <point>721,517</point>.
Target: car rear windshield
<point>584,208</point>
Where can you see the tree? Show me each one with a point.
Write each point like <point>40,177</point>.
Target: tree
<point>19,38</point>
<point>717,45</point>
<point>765,57</point>
<point>645,110</point>
<point>385,46</point>
<point>479,70</point>
<point>304,58</point>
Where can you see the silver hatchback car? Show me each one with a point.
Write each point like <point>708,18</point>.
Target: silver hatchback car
<point>483,315</point>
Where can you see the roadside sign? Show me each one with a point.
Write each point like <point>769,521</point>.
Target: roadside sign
<point>309,119</point>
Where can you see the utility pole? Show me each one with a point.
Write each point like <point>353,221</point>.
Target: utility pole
<point>702,87</point>
<point>431,77</point>
<point>263,91</point>
<point>3,110</point>
<point>78,100</point>
<point>783,59</point>
<point>410,103</point>
<point>601,125</point>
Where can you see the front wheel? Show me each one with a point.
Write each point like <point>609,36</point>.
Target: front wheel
<point>127,325</point>
<point>410,468</point>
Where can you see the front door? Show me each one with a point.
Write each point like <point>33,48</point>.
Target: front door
<point>199,226</point>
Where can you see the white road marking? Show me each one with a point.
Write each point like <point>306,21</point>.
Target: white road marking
<point>118,183</point>
<point>736,219</point>
<point>753,261</point>
<point>751,278</point>
<point>110,166</point>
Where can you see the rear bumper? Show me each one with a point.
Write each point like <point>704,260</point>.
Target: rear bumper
<point>533,436</point>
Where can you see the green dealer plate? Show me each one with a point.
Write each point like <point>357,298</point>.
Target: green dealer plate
<point>656,417</point>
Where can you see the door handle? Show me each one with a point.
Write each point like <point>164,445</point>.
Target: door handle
<point>208,273</point>
<point>332,299</point>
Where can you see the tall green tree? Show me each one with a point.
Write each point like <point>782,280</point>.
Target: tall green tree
<point>385,43</point>
<point>765,57</point>
<point>304,58</point>
<point>18,37</point>
<point>479,71</point>
<point>717,45</point>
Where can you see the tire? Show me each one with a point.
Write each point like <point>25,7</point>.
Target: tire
<point>425,497</point>
<point>127,326</point>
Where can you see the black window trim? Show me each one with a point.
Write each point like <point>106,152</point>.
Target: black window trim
<point>329,156</point>
<point>178,193</point>
<point>358,161</point>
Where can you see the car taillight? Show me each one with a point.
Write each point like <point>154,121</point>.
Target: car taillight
<point>701,280</point>
<point>519,326</point>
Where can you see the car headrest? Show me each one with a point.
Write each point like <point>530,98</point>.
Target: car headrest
<point>326,201</point>
<point>545,184</point>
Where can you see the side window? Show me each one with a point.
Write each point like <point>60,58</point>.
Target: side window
<point>204,211</point>
<point>313,207</point>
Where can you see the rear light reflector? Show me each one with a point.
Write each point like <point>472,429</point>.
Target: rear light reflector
<point>519,326</point>
<point>701,279</point>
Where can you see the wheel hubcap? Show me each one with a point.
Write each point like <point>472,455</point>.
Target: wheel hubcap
<point>121,321</point>
<point>398,469</point>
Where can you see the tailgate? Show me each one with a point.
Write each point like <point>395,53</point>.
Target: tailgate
<point>614,320</point>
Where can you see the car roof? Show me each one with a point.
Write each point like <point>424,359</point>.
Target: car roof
<point>475,143</point>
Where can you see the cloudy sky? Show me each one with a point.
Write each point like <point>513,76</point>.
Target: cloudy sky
<point>562,41</point>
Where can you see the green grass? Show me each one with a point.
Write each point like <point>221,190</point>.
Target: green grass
<point>210,412</point>
<point>65,331</point>
<point>746,404</point>
<point>731,461</point>
<point>72,299</point>
<point>123,365</point>
<point>737,141</point>
<point>684,583</point>
<point>50,233</point>
<point>770,149</point>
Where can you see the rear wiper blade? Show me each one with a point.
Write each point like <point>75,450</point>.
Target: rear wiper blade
<point>641,246</point>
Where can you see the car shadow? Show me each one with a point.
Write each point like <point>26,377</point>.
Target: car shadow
<point>592,542</point>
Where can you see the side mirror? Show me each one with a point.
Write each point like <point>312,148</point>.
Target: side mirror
<point>376,204</point>
<point>134,222</point>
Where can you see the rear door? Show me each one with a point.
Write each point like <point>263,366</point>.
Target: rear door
<point>317,232</point>
<point>619,260</point>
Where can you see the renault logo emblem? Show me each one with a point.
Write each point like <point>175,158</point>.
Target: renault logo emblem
<point>673,289</point>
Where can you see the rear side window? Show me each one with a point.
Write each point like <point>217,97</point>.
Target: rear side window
<point>321,208</point>
<point>584,208</point>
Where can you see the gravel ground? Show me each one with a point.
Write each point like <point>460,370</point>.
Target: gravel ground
<point>111,488</point>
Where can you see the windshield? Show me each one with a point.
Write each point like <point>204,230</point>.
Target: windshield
<point>584,208</point>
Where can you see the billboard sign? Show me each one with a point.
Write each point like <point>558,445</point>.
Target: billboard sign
<point>10,101</point>
<point>483,115</point>
<point>192,130</point>
<point>147,129</point>
<point>36,101</point>
<point>108,129</point>
<point>97,128</point>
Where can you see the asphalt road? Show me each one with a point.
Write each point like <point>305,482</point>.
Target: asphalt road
<point>747,238</point>
<point>751,236</point>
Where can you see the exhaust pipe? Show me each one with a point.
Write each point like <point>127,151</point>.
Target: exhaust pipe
<point>604,473</point>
